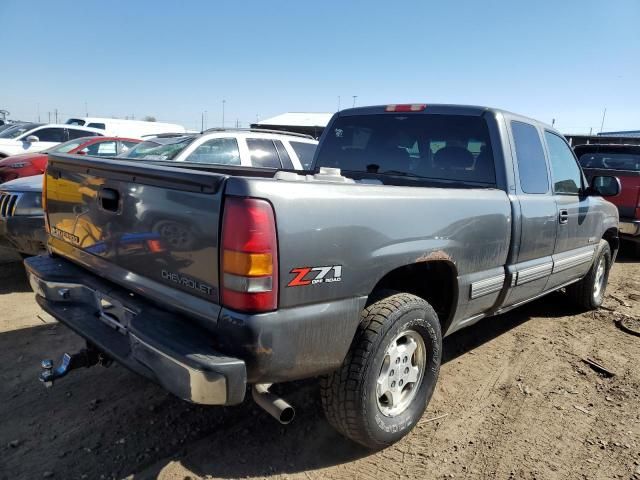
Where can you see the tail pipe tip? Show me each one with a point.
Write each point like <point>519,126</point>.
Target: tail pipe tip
<point>275,406</point>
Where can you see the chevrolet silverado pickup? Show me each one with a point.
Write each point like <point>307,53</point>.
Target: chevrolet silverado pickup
<point>415,221</point>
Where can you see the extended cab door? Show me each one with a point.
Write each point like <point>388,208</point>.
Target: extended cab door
<point>535,226</point>
<point>576,238</point>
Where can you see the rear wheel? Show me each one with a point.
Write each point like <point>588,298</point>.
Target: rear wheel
<point>589,292</point>
<point>389,375</point>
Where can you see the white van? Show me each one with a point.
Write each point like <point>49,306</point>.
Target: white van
<point>127,128</point>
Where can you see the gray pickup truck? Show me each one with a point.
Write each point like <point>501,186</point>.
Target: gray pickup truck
<point>416,221</point>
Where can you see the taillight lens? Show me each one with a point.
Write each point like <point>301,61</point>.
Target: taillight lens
<point>249,256</point>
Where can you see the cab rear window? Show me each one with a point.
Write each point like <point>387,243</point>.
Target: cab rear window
<point>611,161</point>
<point>438,147</point>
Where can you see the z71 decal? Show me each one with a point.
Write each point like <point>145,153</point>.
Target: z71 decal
<point>312,275</point>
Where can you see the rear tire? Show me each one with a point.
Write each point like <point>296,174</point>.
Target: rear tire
<point>589,292</point>
<point>384,384</point>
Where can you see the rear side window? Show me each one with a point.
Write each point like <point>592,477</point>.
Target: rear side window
<point>50,135</point>
<point>220,151</point>
<point>532,166</point>
<point>284,156</point>
<point>263,153</point>
<point>73,133</point>
<point>305,152</point>
<point>567,176</point>
<point>439,147</point>
<point>103,149</point>
<point>126,146</point>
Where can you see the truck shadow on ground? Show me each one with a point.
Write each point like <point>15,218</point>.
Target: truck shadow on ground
<point>111,422</point>
<point>626,254</point>
<point>13,278</point>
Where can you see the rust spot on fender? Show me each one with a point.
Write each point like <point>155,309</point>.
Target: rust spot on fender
<point>437,255</point>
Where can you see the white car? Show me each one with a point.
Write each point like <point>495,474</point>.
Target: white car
<point>36,137</point>
<point>249,148</point>
<point>127,128</point>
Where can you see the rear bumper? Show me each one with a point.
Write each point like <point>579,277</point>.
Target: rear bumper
<point>151,342</point>
<point>630,229</point>
<point>25,234</point>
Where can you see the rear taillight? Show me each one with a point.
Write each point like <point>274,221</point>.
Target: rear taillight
<point>249,256</point>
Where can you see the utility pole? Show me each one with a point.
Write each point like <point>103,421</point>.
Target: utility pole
<point>38,106</point>
<point>202,121</point>
<point>55,112</point>
<point>604,114</point>
<point>49,113</point>
<point>223,102</point>
<point>338,102</point>
<point>354,100</point>
<point>86,109</point>
<point>237,123</point>
<point>553,122</point>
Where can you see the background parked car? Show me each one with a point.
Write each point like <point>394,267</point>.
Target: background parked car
<point>161,147</point>
<point>27,164</point>
<point>36,137</point>
<point>622,161</point>
<point>127,128</point>
<point>7,126</point>
<point>248,148</point>
<point>21,215</point>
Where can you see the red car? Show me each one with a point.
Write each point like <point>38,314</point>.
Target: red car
<point>623,162</point>
<point>28,164</point>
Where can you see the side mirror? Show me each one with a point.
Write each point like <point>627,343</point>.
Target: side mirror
<point>32,139</point>
<point>606,186</point>
<point>84,151</point>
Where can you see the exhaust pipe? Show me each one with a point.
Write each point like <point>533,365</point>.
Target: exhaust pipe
<point>272,404</point>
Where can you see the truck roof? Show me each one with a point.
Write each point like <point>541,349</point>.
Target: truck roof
<point>443,108</point>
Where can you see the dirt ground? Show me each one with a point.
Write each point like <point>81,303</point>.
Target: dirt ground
<point>515,400</point>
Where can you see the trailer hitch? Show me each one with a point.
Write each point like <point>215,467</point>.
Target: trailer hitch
<point>87,357</point>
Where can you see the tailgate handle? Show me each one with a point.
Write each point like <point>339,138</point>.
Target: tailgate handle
<point>109,199</point>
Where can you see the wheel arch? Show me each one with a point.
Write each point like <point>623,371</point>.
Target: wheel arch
<point>433,280</point>
<point>612,238</point>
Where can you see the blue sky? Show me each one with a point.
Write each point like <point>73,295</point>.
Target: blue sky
<point>566,60</point>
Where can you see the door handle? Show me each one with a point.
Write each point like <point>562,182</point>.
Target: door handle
<point>563,216</point>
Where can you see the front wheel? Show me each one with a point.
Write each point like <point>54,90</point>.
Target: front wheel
<point>384,384</point>
<point>589,292</point>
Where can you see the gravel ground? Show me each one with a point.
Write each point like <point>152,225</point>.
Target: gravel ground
<point>515,400</point>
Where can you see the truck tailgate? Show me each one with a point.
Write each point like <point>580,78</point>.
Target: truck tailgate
<point>149,228</point>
